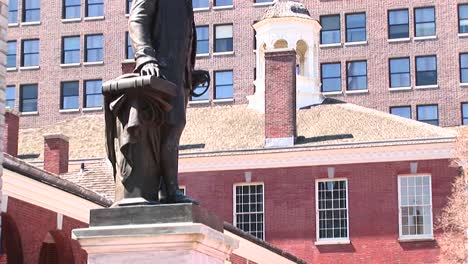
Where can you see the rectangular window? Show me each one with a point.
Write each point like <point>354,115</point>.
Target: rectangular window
<point>463,18</point>
<point>223,85</point>
<point>331,77</point>
<point>332,210</point>
<point>428,114</point>
<point>464,68</point>
<point>249,209</point>
<point>93,93</point>
<point>128,7</point>
<point>203,39</point>
<point>415,206</point>
<point>28,98</point>
<point>31,10</point>
<point>464,113</point>
<point>424,22</point>
<point>71,9</point>
<point>426,70</point>
<point>200,3</point>
<point>94,8</point>
<point>198,90</point>
<point>403,111</point>
<point>222,2</point>
<point>12,11</point>
<point>357,75</point>
<point>71,50</point>
<point>93,48</point>
<point>11,54</point>
<point>356,27</point>
<point>398,24</point>
<point>30,53</point>
<point>331,29</point>
<point>10,93</point>
<point>400,72</point>
<point>129,54</point>
<point>69,95</point>
<point>223,38</point>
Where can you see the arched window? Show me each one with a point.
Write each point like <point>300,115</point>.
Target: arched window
<point>48,254</point>
<point>12,249</point>
<point>280,44</point>
<point>56,249</point>
<point>301,51</point>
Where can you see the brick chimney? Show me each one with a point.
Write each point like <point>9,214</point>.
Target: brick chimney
<point>56,153</point>
<point>280,98</point>
<point>10,133</point>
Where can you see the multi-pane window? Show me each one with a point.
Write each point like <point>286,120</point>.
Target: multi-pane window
<point>223,85</point>
<point>428,114</point>
<point>92,93</point>
<point>129,54</point>
<point>93,48</point>
<point>30,53</point>
<point>464,113</point>
<point>69,95</point>
<point>415,205</point>
<point>356,75</point>
<point>222,2</point>
<point>331,77</point>
<point>463,18</point>
<point>11,54</point>
<point>200,89</point>
<point>71,9</point>
<point>400,72</point>
<point>426,70</point>
<point>28,98</point>
<point>203,39</point>
<point>12,11</point>
<point>331,29</point>
<point>403,111</point>
<point>249,209</point>
<point>71,50</point>
<point>424,21</point>
<point>128,6</point>
<point>398,24</point>
<point>200,3</point>
<point>31,10</point>
<point>10,93</point>
<point>464,68</point>
<point>223,38</point>
<point>356,27</point>
<point>332,210</point>
<point>94,8</point>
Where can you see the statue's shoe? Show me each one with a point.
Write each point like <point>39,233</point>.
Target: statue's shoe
<point>178,198</point>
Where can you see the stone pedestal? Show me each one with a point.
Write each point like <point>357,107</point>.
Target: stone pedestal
<point>182,233</point>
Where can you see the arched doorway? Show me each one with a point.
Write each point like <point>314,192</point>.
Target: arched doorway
<point>11,241</point>
<point>56,249</point>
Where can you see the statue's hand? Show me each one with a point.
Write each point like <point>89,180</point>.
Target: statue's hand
<point>151,69</point>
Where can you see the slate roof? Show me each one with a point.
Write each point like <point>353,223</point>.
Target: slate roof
<point>287,9</point>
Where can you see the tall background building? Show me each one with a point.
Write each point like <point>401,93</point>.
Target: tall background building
<point>405,57</point>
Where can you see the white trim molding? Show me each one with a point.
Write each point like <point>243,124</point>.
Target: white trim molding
<point>4,207</point>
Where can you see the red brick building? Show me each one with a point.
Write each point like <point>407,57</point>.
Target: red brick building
<point>59,52</point>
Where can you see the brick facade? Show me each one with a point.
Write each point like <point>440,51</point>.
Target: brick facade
<point>56,148</point>
<point>377,51</point>
<point>11,133</point>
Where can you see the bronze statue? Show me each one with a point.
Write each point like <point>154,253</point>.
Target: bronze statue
<point>146,113</point>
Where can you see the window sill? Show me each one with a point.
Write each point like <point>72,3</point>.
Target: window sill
<point>71,20</point>
<point>128,61</point>
<point>263,4</point>
<point>94,18</point>
<point>70,65</point>
<point>66,111</point>
<point>357,43</point>
<point>201,9</point>
<point>463,35</point>
<point>92,109</point>
<point>29,68</point>
<point>396,89</point>
<point>227,53</point>
<point>416,239</point>
<point>425,38</point>
<point>357,92</point>
<point>199,102</point>
<point>220,101</point>
<point>333,242</point>
<point>29,113</point>
<point>203,55</point>
<point>13,25</point>
<point>93,63</point>
<point>11,69</point>
<point>223,7</point>
<point>399,40</point>
<point>423,87</point>
<point>331,45</point>
<point>333,93</point>
<point>34,23</point>
<point>463,84</point>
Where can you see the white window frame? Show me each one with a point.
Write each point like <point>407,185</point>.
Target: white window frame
<point>183,187</point>
<point>330,241</point>
<point>414,237</point>
<point>234,222</point>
